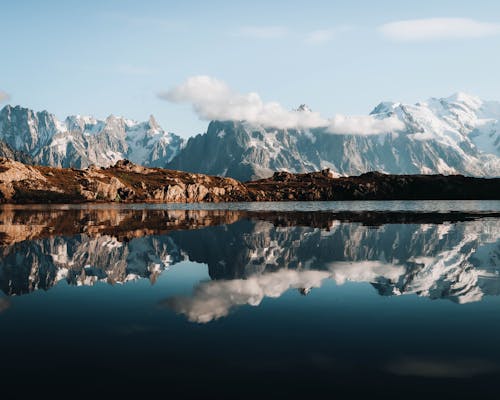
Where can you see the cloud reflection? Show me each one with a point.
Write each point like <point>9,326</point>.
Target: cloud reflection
<point>214,299</point>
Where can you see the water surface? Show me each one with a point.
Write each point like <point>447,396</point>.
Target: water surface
<point>252,300</point>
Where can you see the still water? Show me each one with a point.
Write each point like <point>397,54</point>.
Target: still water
<point>252,300</point>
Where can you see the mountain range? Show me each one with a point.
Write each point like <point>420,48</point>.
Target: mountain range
<point>457,134</point>
<point>81,141</point>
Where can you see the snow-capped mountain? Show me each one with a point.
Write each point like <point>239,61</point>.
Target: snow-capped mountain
<point>80,141</point>
<point>457,134</point>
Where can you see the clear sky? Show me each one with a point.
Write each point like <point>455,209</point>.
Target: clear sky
<point>103,57</point>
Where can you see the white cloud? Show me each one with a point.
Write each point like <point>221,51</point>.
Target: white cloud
<point>438,29</point>
<point>322,36</point>
<point>263,32</point>
<point>364,125</point>
<point>4,96</point>
<point>213,99</point>
<point>315,37</point>
<point>214,299</point>
<point>364,271</point>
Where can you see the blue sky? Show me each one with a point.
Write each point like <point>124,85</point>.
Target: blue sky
<point>103,57</point>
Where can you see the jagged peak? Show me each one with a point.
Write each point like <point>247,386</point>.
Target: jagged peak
<point>11,107</point>
<point>30,114</point>
<point>19,108</point>
<point>86,119</point>
<point>112,117</point>
<point>384,107</point>
<point>303,108</point>
<point>153,124</point>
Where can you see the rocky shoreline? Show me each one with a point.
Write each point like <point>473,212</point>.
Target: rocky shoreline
<point>130,183</point>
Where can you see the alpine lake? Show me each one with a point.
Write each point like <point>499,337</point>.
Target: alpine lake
<point>252,300</point>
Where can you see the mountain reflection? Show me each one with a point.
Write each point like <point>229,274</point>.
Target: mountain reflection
<point>252,255</point>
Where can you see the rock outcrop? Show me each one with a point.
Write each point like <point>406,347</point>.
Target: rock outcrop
<point>131,183</point>
<point>123,182</point>
<point>322,185</point>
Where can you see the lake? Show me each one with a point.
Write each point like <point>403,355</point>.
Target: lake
<point>252,300</point>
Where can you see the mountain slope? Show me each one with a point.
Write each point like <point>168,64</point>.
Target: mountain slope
<point>7,152</point>
<point>80,141</point>
<point>458,134</point>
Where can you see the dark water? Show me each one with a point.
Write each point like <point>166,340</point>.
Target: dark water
<point>372,299</point>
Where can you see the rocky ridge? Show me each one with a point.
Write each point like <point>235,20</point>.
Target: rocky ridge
<point>323,185</point>
<point>131,183</point>
<point>123,182</point>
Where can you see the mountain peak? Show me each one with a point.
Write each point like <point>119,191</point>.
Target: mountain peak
<point>384,107</point>
<point>466,99</point>
<point>303,108</point>
<point>17,108</point>
<point>81,118</point>
<point>153,124</point>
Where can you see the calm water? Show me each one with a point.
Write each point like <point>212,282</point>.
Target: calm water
<point>252,300</point>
